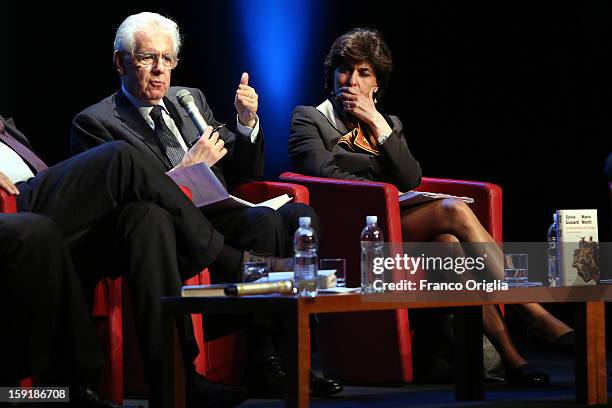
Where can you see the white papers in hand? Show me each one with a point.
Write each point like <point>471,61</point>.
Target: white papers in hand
<point>208,192</point>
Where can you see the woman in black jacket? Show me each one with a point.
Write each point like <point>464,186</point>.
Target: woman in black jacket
<point>347,137</point>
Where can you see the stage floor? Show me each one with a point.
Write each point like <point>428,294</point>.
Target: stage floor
<point>559,394</point>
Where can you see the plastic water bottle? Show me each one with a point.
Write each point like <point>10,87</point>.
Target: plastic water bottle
<point>552,251</point>
<point>372,246</point>
<point>305,260</point>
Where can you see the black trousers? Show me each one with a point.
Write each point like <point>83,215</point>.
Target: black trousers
<point>263,229</point>
<point>121,216</point>
<point>46,328</point>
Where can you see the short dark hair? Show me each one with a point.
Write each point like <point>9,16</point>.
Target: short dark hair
<point>360,44</point>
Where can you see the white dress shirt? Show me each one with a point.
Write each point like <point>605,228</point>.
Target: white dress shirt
<point>13,165</point>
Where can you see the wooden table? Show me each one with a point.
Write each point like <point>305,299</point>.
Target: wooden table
<point>591,373</point>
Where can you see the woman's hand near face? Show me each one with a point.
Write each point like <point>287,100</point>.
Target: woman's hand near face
<point>363,108</point>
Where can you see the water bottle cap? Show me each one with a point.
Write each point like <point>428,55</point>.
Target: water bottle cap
<point>371,220</point>
<point>304,221</point>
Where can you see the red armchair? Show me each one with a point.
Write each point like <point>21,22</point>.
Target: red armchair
<point>217,359</point>
<point>342,206</point>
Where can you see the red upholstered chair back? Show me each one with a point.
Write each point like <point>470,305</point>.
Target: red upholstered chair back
<point>342,207</point>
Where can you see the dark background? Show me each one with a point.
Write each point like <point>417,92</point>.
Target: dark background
<point>515,94</point>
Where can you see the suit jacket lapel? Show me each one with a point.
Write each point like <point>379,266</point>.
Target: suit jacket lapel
<point>13,131</point>
<point>134,123</point>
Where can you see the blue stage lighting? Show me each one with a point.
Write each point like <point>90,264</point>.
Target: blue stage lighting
<point>276,34</point>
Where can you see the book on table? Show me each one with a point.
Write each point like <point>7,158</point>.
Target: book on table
<point>578,255</point>
<point>419,197</point>
<point>326,278</point>
<point>209,193</point>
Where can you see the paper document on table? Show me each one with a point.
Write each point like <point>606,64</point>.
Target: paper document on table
<point>327,278</point>
<point>208,192</point>
<point>419,197</point>
<point>339,289</point>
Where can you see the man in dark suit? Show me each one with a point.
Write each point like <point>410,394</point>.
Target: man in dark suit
<point>118,215</point>
<point>146,114</point>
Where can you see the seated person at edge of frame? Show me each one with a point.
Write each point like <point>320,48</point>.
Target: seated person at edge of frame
<point>118,216</point>
<point>47,329</point>
<point>357,71</point>
<point>146,113</point>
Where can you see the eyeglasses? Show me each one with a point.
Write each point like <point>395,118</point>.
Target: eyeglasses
<point>146,59</point>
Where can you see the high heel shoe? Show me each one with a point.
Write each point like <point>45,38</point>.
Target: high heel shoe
<point>527,376</point>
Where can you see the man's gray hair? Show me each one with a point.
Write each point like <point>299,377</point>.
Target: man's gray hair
<point>148,22</point>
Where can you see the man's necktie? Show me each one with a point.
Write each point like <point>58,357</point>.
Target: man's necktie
<point>171,146</point>
<point>26,154</point>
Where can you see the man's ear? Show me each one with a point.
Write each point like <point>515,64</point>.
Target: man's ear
<point>118,61</point>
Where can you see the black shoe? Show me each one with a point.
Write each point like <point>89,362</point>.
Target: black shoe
<point>323,387</point>
<point>527,376</point>
<point>202,393</point>
<point>85,397</point>
<point>489,379</point>
<point>266,377</point>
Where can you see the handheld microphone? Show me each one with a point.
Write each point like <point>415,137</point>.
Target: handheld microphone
<point>244,289</point>
<point>185,99</point>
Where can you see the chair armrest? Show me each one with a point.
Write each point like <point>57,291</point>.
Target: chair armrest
<point>8,203</point>
<point>258,191</point>
<point>487,200</point>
